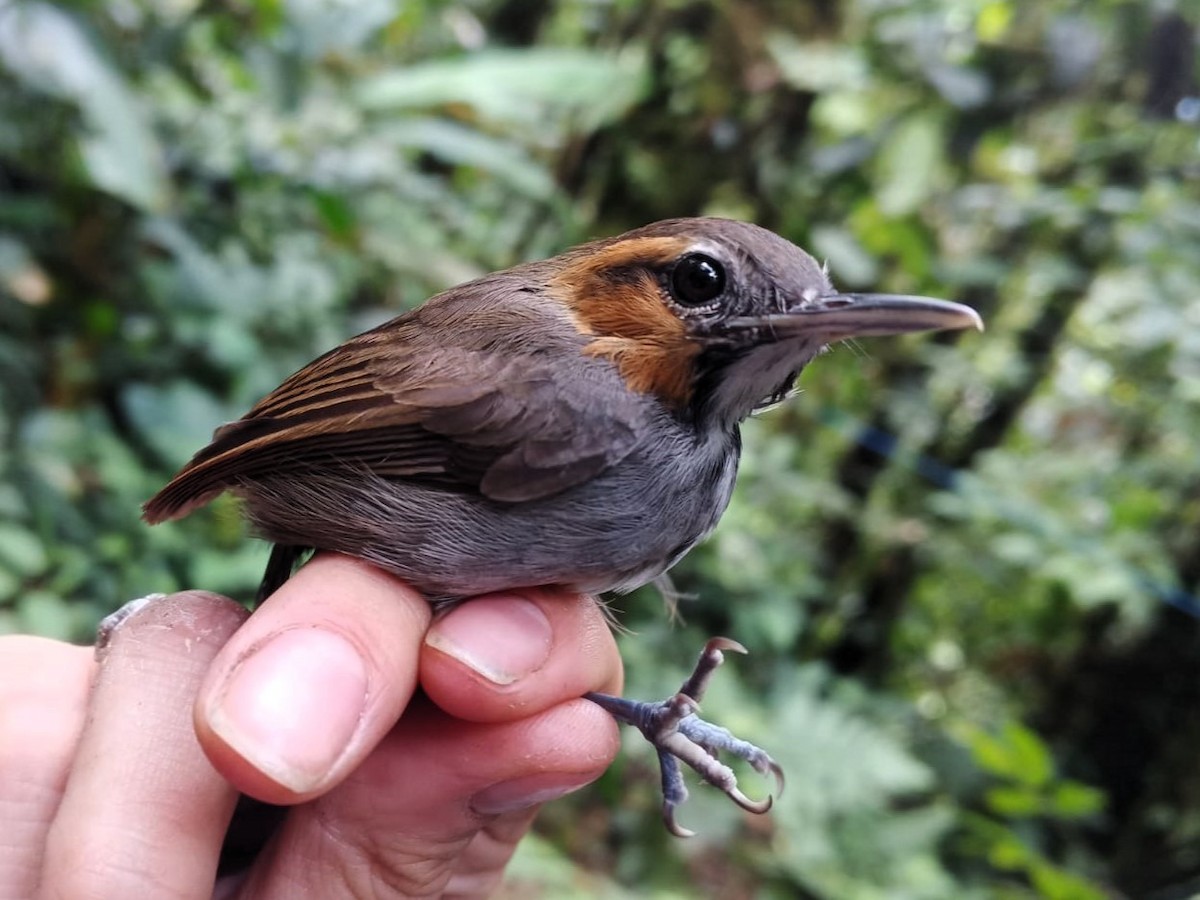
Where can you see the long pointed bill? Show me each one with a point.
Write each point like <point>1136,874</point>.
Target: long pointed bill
<point>841,316</point>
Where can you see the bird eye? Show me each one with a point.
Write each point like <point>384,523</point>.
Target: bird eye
<point>697,280</point>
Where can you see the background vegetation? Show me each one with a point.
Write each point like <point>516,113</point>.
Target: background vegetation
<point>967,566</point>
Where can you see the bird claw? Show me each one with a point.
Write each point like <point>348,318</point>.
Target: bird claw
<point>679,735</point>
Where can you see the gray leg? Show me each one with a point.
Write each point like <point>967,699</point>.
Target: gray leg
<point>679,735</point>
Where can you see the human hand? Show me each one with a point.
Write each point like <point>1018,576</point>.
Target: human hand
<point>120,772</point>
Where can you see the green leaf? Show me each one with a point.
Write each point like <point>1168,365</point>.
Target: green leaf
<point>336,214</point>
<point>993,20</point>
<point>1013,802</point>
<point>515,87</point>
<point>460,145</point>
<point>540,869</point>
<point>1074,800</point>
<point>175,418</point>
<point>1010,854</point>
<point>21,551</point>
<point>328,26</point>
<point>910,164</point>
<point>48,615</point>
<point>48,50</point>
<point>848,260</point>
<point>991,754</point>
<point>1054,883</point>
<point>1034,764</point>
<point>818,66</point>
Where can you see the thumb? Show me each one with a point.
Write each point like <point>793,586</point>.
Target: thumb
<point>311,683</point>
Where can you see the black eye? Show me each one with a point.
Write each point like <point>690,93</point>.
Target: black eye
<point>697,280</point>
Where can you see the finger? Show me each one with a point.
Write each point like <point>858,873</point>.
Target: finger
<point>505,656</point>
<point>44,687</point>
<point>144,813</point>
<point>443,801</point>
<point>408,823</point>
<point>313,681</point>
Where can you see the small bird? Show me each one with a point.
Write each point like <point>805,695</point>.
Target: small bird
<point>570,422</point>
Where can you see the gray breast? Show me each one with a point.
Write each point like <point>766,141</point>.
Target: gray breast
<point>615,532</point>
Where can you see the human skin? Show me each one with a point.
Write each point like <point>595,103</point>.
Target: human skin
<point>412,754</point>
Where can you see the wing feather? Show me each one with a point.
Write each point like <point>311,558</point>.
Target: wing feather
<point>507,425</point>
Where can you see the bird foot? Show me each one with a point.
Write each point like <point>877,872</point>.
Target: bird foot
<point>679,735</point>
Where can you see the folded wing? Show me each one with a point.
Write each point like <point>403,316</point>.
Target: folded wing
<point>505,425</point>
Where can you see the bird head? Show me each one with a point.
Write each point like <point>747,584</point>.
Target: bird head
<point>717,317</point>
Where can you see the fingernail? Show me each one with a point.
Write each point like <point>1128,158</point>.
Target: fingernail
<point>109,624</point>
<point>502,637</point>
<point>522,793</point>
<point>292,704</point>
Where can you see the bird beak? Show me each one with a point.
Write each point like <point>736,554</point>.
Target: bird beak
<point>841,316</point>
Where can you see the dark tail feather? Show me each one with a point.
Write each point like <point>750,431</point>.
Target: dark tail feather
<point>280,567</point>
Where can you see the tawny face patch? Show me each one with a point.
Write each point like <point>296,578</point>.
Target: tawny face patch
<point>615,296</point>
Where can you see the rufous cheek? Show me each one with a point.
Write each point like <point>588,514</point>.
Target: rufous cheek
<point>613,295</point>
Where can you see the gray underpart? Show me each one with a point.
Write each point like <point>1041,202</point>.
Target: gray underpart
<point>618,531</point>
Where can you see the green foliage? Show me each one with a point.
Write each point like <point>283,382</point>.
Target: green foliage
<point>164,301</point>
<point>940,538</point>
<point>1028,794</point>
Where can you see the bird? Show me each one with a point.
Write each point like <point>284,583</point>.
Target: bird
<point>571,422</point>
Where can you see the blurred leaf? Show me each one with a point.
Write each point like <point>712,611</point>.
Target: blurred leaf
<point>850,767</point>
<point>910,164</point>
<point>1054,883</point>
<point>993,19</point>
<point>817,67</point>
<point>848,260</point>
<point>50,51</point>
<point>319,27</point>
<point>41,612</point>
<point>1072,800</point>
<point>20,551</point>
<point>1032,763</point>
<point>516,88</point>
<point>992,754</point>
<point>456,144</point>
<point>1016,802</point>
<point>176,418</point>
<point>1016,754</point>
<point>963,87</point>
<point>942,536</point>
<point>337,214</point>
<point>538,869</point>
<point>1009,854</point>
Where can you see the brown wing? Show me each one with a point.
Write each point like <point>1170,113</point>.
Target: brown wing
<point>487,420</point>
